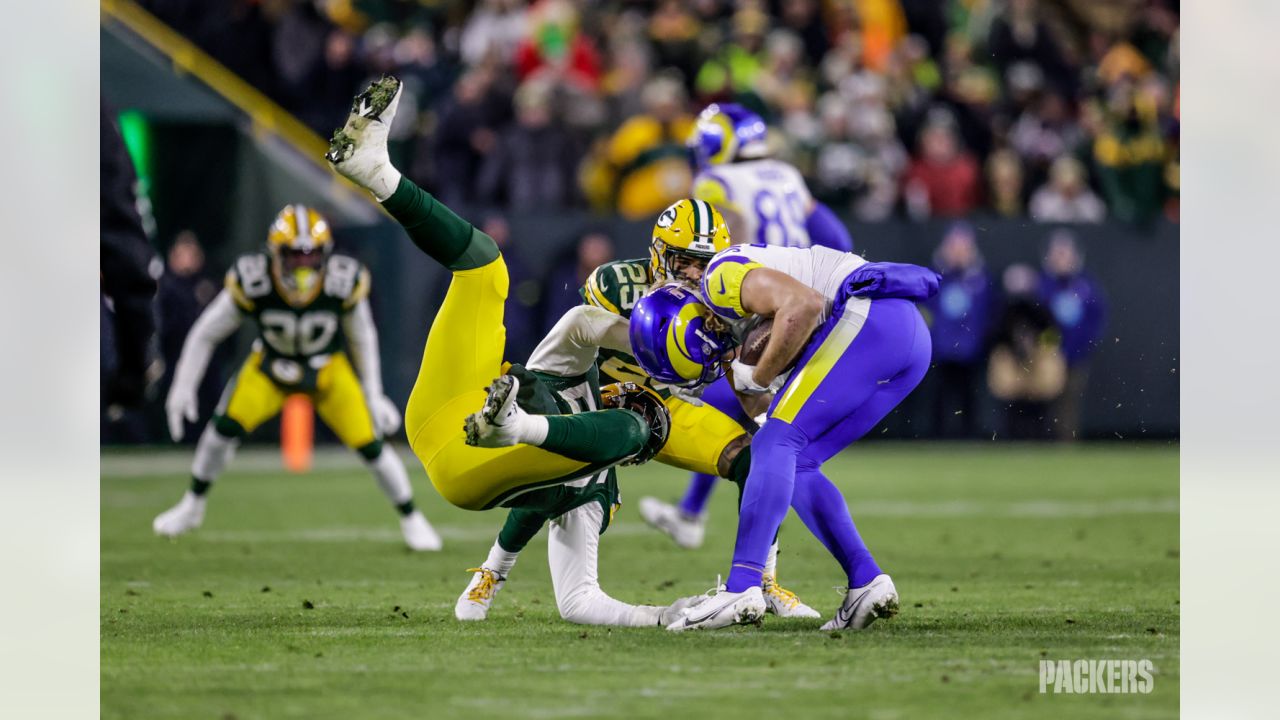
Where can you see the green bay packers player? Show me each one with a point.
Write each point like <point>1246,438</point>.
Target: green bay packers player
<point>703,438</point>
<point>480,447</point>
<point>314,323</point>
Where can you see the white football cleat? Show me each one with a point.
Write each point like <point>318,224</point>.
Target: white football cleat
<point>359,150</point>
<point>686,530</point>
<point>499,423</point>
<point>184,517</point>
<point>418,533</point>
<point>722,610</point>
<point>474,602</point>
<point>864,605</point>
<point>782,602</point>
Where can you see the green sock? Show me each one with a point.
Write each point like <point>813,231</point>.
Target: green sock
<point>521,527</point>
<point>199,487</point>
<point>437,230</point>
<point>601,436</point>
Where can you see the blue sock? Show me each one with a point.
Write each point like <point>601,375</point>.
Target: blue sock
<point>764,500</point>
<point>699,492</point>
<point>823,510</point>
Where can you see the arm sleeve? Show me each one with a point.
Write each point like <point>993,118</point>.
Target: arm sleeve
<point>571,347</point>
<point>362,338</point>
<point>215,324</point>
<point>825,229</point>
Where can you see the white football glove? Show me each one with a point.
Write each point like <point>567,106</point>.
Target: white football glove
<point>179,406</point>
<point>386,416</point>
<point>744,380</point>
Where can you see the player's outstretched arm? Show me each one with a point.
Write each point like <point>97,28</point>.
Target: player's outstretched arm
<point>215,324</point>
<point>358,152</point>
<point>362,338</point>
<point>573,343</point>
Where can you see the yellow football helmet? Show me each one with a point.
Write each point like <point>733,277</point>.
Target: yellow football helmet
<point>689,231</point>
<point>299,241</point>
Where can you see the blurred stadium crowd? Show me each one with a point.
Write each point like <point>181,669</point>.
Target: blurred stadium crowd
<point>1062,111</point>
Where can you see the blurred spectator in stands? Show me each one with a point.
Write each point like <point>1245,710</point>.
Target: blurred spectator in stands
<point>299,57</point>
<point>532,166</point>
<point>645,165</point>
<point>466,134</point>
<point>340,77</point>
<point>1076,301</point>
<point>185,289</point>
<point>1004,183</point>
<point>1018,35</point>
<point>521,310</point>
<point>962,316</point>
<point>943,179</point>
<point>629,62</point>
<point>783,70</point>
<point>730,73</point>
<point>1026,370</point>
<point>1130,153</point>
<point>592,250</point>
<point>554,46</point>
<point>1065,198</point>
<point>804,17</point>
<point>673,33</point>
<point>495,28</point>
<point>1045,132</point>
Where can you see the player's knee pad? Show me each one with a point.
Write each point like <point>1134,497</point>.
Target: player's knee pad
<point>228,428</point>
<point>370,451</point>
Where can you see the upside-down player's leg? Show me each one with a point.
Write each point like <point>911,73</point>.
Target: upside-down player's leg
<point>464,348</point>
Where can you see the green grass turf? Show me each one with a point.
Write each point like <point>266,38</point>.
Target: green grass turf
<point>297,600</point>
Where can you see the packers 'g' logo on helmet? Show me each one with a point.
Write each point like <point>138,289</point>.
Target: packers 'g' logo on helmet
<point>688,232</point>
<point>649,406</point>
<point>300,241</point>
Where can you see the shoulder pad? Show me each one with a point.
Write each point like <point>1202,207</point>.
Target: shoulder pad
<point>615,286</point>
<point>346,279</point>
<point>249,279</point>
<point>722,283</point>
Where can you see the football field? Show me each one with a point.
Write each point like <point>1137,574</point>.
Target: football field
<point>296,599</point>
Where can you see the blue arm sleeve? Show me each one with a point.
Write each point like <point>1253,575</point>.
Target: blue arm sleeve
<point>893,280</point>
<point>825,229</point>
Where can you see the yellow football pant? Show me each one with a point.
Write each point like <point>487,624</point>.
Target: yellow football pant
<point>462,356</point>
<point>699,435</point>
<point>254,399</point>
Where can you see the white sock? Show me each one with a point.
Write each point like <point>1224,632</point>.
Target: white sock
<point>213,452</point>
<point>532,430</point>
<point>500,561</point>
<point>392,478</point>
<point>771,565</point>
<point>384,182</point>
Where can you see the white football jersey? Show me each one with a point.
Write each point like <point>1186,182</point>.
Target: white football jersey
<point>769,195</point>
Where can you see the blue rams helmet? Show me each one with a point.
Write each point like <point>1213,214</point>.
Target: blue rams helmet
<point>727,132</point>
<point>671,340</point>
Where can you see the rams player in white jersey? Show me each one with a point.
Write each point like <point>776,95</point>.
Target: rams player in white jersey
<point>314,323</point>
<point>764,201</point>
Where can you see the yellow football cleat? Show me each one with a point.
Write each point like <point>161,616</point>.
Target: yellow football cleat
<point>782,602</point>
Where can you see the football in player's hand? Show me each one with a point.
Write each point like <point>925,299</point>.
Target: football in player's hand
<point>753,345</point>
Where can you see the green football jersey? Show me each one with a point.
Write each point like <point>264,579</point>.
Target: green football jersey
<point>545,394</point>
<point>616,286</point>
<point>296,341</point>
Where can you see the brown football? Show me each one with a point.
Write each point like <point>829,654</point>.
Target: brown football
<point>753,345</point>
